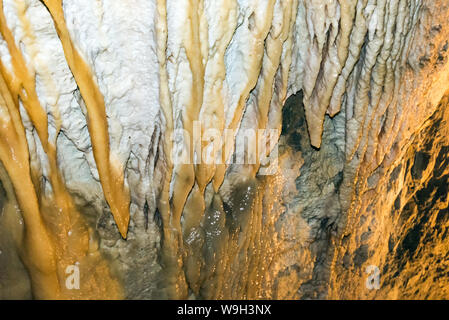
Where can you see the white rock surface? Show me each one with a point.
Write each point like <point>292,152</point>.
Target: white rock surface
<point>231,64</point>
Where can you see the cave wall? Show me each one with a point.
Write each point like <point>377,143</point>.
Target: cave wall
<point>93,91</point>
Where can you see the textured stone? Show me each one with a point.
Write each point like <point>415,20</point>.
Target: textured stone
<point>361,178</point>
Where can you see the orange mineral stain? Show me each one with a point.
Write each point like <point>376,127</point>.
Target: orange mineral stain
<point>110,170</point>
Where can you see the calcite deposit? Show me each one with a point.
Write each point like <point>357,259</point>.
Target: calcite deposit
<point>313,135</point>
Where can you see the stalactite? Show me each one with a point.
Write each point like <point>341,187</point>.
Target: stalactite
<point>98,127</point>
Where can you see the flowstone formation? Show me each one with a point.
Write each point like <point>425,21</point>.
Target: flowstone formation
<point>224,149</point>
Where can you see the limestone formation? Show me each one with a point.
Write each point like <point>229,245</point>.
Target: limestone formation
<point>337,109</point>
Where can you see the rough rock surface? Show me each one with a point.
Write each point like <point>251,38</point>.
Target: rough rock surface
<point>361,178</point>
